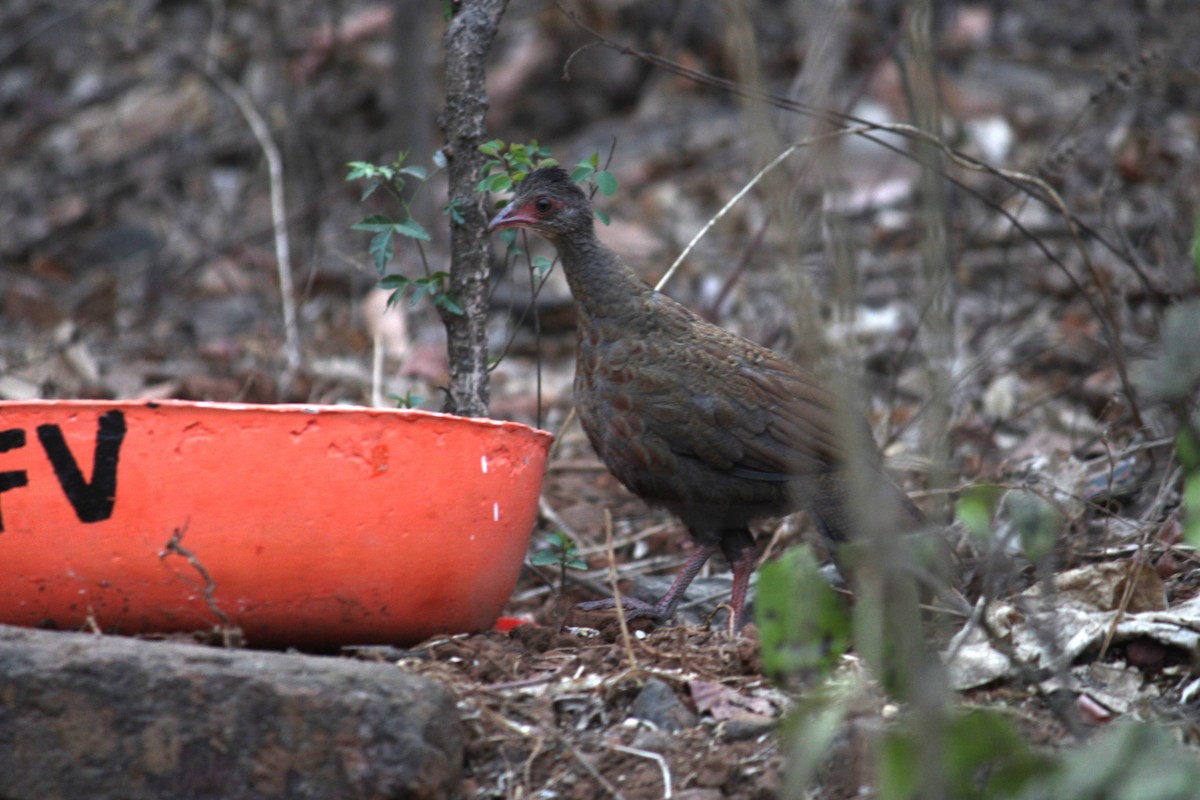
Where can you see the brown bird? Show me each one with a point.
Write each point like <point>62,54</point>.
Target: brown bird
<point>715,428</point>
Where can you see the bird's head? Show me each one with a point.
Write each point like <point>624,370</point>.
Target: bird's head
<point>548,203</point>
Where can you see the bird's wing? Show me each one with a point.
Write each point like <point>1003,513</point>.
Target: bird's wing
<point>786,423</point>
<point>735,406</point>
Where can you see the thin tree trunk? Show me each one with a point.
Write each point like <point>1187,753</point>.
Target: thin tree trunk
<point>468,39</point>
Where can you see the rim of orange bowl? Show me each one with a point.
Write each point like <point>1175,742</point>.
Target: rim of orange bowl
<point>271,408</point>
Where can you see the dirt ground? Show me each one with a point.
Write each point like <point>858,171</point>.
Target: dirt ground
<point>138,259</point>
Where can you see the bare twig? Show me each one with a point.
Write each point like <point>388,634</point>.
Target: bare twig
<point>230,633</point>
<point>283,258</point>
<point>779,159</point>
<point>591,768</point>
<point>377,348</point>
<point>1105,310</point>
<point>662,763</point>
<point>612,578</point>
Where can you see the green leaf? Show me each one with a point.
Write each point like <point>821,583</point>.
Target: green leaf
<point>394,281</point>
<point>1191,505</point>
<point>603,217</point>
<point>581,172</point>
<point>974,509</point>
<point>980,754</point>
<point>607,182</point>
<point>376,223</point>
<point>899,767</point>
<point>412,229</point>
<point>451,210</point>
<point>419,288</point>
<point>803,625</point>
<point>448,302</point>
<point>360,169</point>
<point>1036,520</point>
<point>560,550</point>
<point>418,172</point>
<point>1187,450</point>
<point>542,265</point>
<point>382,249</point>
<point>1129,761</point>
<point>497,182</point>
<point>491,148</point>
<point>370,190</point>
<point>408,400</point>
<point>1175,372</point>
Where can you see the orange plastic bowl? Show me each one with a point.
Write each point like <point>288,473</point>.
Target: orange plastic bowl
<point>307,526</point>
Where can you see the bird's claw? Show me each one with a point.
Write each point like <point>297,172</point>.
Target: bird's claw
<point>633,608</point>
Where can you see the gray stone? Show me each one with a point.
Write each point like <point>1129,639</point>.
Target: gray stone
<point>109,717</point>
<point>658,704</point>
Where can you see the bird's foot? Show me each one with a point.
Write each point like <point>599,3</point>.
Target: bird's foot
<point>633,608</point>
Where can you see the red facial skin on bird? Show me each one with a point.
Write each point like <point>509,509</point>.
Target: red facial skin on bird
<point>513,216</point>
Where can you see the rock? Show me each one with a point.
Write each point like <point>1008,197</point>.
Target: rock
<point>657,704</point>
<point>108,717</point>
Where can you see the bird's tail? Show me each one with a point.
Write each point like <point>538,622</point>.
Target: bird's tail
<point>872,517</point>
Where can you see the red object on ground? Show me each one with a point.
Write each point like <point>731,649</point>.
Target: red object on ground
<point>506,624</point>
<point>307,526</point>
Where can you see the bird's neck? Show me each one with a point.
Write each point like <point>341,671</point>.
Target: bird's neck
<point>600,281</point>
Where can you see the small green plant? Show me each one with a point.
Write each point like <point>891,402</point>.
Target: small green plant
<point>560,549</point>
<point>394,178</point>
<point>1172,379</point>
<point>982,756</point>
<point>508,164</point>
<point>407,400</point>
<point>1033,521</point>
<point>803,625</point>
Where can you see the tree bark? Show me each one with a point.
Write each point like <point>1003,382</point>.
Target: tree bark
<point>468,39</point>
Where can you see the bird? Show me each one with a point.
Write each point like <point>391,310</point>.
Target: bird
<point>690,417</point>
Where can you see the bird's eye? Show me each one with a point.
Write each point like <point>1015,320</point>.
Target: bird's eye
<point>542,204</point>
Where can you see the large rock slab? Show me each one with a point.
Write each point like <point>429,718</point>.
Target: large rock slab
<point>108,717</point>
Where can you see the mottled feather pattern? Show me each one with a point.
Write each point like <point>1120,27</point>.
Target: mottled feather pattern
<point>687,415</point>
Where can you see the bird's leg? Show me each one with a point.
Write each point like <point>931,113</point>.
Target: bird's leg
<point>665,607</point>
<point>738,547</point>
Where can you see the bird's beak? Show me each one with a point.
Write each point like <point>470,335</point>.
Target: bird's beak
<point>510,216</point>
